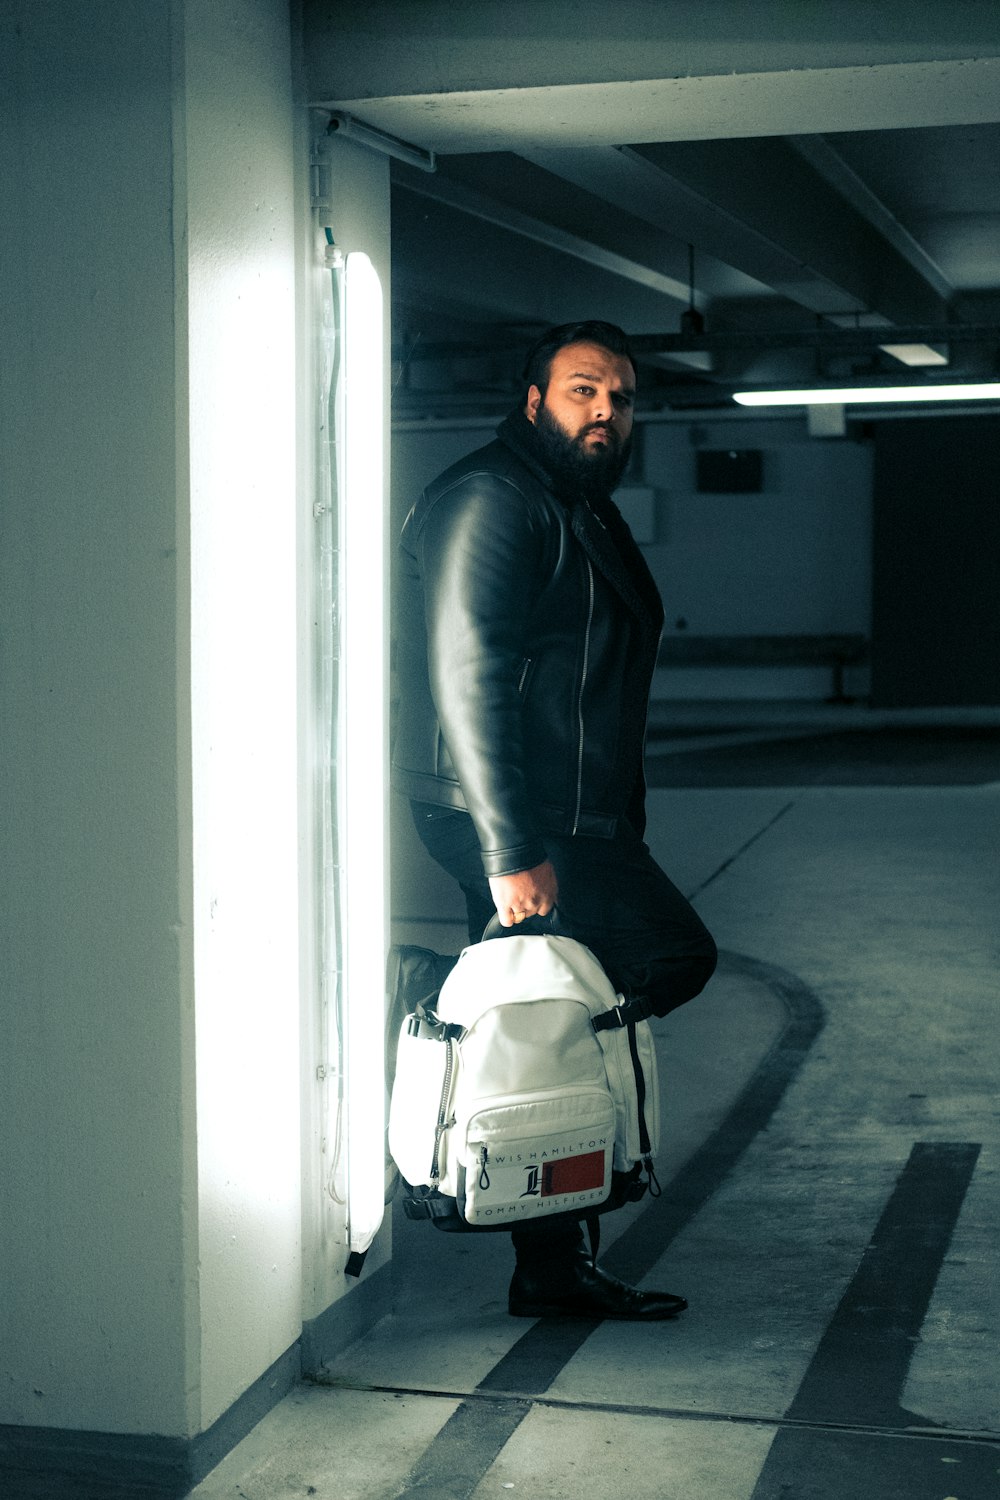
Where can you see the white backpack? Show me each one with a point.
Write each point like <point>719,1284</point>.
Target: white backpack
<point>527,1092</point>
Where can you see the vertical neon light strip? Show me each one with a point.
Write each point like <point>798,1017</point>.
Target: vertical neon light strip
<point>363,747</point>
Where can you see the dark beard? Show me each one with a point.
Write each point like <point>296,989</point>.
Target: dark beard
<point>576,469</point>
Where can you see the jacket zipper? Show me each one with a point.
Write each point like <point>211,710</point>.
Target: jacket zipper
<point>579,702</point>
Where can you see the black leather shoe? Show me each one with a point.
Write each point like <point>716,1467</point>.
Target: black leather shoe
<point>414,976</point>
<point>585,1291</point>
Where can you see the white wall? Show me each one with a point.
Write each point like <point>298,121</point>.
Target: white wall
<point>794,559</point>
<point>236,178</point>
<point>151,1226</point>
<point>96,1103</point>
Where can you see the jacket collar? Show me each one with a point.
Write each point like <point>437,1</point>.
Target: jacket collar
<point>597,525</point>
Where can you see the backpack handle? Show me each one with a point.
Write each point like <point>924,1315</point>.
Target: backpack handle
<point>550,925</point>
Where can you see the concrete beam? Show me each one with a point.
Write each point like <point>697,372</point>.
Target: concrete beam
<point>758,207</point>
<point>763,196</point>
<point>572,216</point>
<point>478,271</point>
<point>600,251</point>
<point>831,166</point>
<point>359,51</point>
<point>627,178</point>
<point>798,102</point>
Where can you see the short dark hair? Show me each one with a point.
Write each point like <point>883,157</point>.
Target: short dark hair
<point>538,364</point>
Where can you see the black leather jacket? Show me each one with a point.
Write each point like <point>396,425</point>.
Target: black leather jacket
<point>526,636</point>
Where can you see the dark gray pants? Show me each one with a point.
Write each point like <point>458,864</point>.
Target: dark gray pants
<point>613,896</point>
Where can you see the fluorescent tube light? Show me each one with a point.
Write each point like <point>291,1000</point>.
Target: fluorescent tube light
<point>363,736</point>
<point>871,395</point>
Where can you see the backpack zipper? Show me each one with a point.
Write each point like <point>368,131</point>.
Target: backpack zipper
<point>443,1122</point>
<point>645,1145</point>
<point>579,701</point>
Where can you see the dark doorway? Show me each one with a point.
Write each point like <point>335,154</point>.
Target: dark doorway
<point>936,562</point>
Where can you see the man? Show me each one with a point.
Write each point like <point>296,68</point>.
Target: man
<point>527,637</point>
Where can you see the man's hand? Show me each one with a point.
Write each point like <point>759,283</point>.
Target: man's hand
<point>529,893</point>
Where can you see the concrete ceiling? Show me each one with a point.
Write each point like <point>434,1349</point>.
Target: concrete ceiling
<point>814,177</point>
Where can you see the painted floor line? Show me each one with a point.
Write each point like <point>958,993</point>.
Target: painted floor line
<point>861,1363</point>
<point>859,1369</point>
<point>811,1464</point>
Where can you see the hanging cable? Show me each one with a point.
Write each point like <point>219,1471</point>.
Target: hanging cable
<point>326,514</point>
<point>692,321</point>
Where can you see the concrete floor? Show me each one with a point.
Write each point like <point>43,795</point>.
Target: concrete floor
<point>831,1211</point>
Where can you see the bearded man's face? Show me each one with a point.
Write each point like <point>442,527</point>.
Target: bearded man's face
<point>584,419</point>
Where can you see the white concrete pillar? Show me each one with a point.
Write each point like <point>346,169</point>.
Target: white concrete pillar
<point>150,1098</point>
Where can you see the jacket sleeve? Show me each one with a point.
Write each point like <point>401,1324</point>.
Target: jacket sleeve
<point>481,550</point>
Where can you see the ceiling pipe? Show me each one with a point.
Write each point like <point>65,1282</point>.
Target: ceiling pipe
<point>826,340</point>
<point>832,340</point>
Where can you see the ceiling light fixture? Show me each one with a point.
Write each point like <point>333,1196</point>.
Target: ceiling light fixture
<point>917,355</point>
<point>871,395</point>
